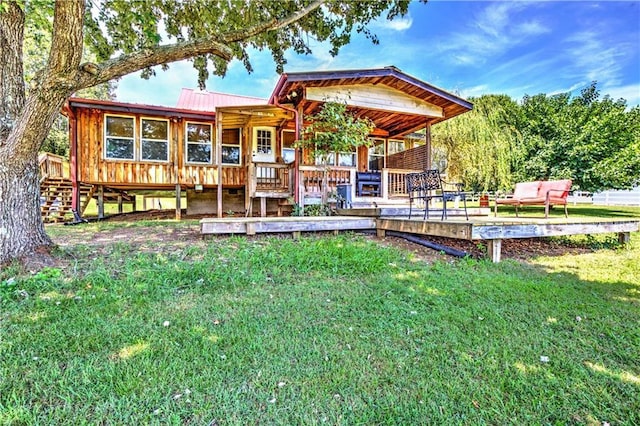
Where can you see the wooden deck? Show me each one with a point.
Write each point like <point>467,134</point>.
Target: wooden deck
<point>479,228</point>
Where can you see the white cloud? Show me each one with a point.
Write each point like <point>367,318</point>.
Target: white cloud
<point>630,92</point>
<point>495,31</point>
<point>398,24</point>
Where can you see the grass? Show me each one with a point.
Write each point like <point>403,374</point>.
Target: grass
<point>322,330</point>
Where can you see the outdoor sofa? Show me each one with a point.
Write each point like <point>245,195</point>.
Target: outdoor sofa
<point>545,193</point>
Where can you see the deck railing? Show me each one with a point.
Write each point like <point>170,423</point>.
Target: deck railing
<point>394,182</point>
<point>270,178</point>
<point>311,178</point>
<point>51,165</point>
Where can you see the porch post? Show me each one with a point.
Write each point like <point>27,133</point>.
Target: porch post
<point>298,156</point>
<point>428,143</point>
<point>219,159</point>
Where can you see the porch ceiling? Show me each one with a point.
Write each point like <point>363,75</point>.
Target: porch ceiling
<point>393,122</point>
<point>253,115</point>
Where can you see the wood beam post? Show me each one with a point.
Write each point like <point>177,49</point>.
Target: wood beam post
<point>624,238</point>
<point>178,202</point>
<point>219,159</point>
<point>494,249</point>
<point>100,202</point>
<point>120,208</point>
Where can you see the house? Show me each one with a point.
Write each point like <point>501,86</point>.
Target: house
<point>228,152</point>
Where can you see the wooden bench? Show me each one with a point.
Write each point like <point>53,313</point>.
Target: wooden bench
<point>545,193</point>
<point>369,183</point>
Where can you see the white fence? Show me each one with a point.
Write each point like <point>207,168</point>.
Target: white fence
<point>615,197</point>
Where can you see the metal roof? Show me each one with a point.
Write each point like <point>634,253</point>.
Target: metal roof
<point>202,100</point>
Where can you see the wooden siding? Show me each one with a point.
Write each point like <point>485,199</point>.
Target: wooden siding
<point>378,97</point>
<point>94,168</point>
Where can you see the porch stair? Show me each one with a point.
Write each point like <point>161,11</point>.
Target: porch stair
<point>55,198</point>
<point>56,194</point>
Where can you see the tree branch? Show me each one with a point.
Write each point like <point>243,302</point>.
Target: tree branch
<point>94,74</point>
<point>272,24</point>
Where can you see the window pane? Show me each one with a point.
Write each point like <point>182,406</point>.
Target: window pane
<point>199,133</point>
<point>198,153</point>
<point>120,148</point>
<point>230,155</point>
<point>154,150</point>
<point>377,149</point>
<point>231,136</point>
<point>288,155</point>
<point>155,129</point>
<point>119,126</point>
<point>346,159</point>
<point>288,138</point>
<point>263,141</point>
<point>395,147</point>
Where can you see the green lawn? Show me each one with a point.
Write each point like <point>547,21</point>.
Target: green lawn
<point>322,330</point>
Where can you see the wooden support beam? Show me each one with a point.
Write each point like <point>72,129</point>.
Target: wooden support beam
<point>219,159</point>
<point>624,238</point>
<point>120,208</point>
<point>263,207</point>
<point>494,249</point>
<point>178,202</point>
<point>100,202</point>
<point>135,203</point>
<point>381,233</point>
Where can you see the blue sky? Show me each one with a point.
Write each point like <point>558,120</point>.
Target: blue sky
<point>468,48</point>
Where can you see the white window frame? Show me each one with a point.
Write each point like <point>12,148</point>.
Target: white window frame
<point>238,145</point>
<point>105,137</point>
<point>370,155</point>
<point>282,149</point>
<point>395,141</point>
<point>142,139</point>
<point>187,143</point>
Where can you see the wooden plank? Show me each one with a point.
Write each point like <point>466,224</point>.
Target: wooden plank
<point>377,97</point>
<point>283,224</point>
<point>532,230</point>
<point>449,229</point>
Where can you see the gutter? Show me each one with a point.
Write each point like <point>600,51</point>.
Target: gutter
<point>296,163</point>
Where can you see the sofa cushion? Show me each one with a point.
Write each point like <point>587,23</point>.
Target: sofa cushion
<point>526,190</point>
<point>560,189</point>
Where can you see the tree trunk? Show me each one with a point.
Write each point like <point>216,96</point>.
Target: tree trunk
<point>21,228</point>
<point>24,123</point>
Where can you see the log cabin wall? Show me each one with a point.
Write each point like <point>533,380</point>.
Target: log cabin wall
<point>95,168</point>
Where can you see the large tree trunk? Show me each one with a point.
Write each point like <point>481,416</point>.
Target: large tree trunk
<point>21,228</point>
<point>25,123</point>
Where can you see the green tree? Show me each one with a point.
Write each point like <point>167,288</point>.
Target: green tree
<point>590,140</point>
<point>334,129</point>
<point>478,144</point>
<point>128,36</point>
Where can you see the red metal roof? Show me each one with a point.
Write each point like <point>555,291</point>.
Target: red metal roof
<point>201,100</point>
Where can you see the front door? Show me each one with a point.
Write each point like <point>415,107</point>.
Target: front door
<point>264,145</point>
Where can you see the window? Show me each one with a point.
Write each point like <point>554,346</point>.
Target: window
<point>119,137</point>
<point>231,152</point>
<point>376,155</point>
<point>199,145</point>
<point>263,141</point>
<point>347,159</point>
<point>395,147</point>
<point>154,144</point>
<point>288,151</point>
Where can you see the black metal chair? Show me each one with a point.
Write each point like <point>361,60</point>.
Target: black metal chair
<point>428,185</point>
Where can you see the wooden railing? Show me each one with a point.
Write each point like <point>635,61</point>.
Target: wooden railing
<point>52,165</point>
<point>311,178</point>
<point>274,178</point>
<point>394,182</point>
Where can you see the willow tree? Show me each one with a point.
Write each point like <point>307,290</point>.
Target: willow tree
<point>478,145</point>
<point>129,36</point>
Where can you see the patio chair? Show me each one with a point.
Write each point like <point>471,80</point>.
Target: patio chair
<point>426,186</point>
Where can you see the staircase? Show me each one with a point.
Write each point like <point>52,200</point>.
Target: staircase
<point>55,198</point>
<point>56,190</point>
